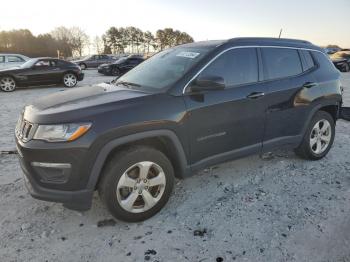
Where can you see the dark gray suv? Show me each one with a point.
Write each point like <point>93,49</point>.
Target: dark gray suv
<point>184,109</point>
<point>94,61</point>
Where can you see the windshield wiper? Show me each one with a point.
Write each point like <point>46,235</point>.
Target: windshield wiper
<point>129,84</point>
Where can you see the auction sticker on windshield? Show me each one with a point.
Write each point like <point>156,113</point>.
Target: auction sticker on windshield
<point>188,54</point>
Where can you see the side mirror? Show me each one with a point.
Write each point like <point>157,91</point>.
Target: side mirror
<point>208,83</point>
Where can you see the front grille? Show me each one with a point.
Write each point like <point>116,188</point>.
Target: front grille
<point>24,130</point>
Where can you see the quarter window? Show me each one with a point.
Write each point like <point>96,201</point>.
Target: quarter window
<point>2,59</point>
<point>280,62</point>
<point>15,59</point>
<point>309,62</point>
<point>238,66</point>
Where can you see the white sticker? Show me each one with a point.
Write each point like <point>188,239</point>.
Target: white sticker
<point>188,54</point>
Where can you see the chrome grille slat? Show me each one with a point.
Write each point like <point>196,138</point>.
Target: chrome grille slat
<point>24,130</point>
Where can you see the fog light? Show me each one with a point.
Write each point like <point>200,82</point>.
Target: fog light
<point>56,173</point>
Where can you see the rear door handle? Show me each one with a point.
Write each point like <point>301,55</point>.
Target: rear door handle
<point>255,95</point>
<point>309,84</point>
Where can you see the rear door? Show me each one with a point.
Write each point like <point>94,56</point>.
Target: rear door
<point>14,61</point>
<point>288,75</point>
<point>228,123</point>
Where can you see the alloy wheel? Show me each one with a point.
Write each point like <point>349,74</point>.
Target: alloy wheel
<point>70,80</point>
<point>141,187</point>
<point>7,84</point>
<point>320,136</point>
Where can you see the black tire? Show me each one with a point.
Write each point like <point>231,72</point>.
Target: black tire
<point>8,84</point>
<point>115,71</point>
<point>83,66</point>
<point>114,170</point>
<point>304,150</point>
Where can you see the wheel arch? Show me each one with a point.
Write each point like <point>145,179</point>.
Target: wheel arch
<point>164,140</point>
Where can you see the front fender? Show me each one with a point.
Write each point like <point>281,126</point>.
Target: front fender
<point>111,145</point>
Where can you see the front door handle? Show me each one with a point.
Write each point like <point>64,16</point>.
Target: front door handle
<point>309,84</point>
<point>255,95</point>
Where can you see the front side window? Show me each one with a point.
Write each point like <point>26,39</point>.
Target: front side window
<point>15,59</point>
<point>280,62</point>
<point>2,59</point>
<point>42,63</point>
<point>238,66</point>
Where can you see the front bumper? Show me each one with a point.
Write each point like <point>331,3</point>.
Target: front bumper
<point>104,70</point>
<point>81,76</point>
<point>60,183</point>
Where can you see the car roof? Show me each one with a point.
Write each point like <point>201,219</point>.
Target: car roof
<point>257,41</point>
<point>12,54</point>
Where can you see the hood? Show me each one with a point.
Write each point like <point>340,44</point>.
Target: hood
<point>80,103</point>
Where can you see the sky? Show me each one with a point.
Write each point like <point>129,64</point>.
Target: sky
<point>319,21</point>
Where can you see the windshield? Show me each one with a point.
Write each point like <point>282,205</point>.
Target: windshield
<point>164,68</point>
<point>29,63</point>
<point>120,60</point>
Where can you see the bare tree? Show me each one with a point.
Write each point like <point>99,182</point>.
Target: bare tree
<point>97,45</point>
<point>79,40</point>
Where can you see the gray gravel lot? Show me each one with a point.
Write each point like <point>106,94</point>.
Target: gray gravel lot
<point>274,208</point>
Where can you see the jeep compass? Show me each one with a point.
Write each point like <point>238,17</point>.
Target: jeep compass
<point>184,109</point>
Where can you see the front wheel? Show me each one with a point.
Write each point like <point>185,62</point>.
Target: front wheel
<point>319,137</point>
<point>115,71</point>
<point>70,80</point>
<point>7,84</point>
<point>136,183</point>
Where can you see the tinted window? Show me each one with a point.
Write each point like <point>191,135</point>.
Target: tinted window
<point>2,59</point>
<point>15,59</point>
<point>42,63</point>
<point>237,66</point>
<point>309,62</point>
<point>280,62</point>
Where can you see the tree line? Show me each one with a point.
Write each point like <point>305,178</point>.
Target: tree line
<point>134,40</point>
<point>74,41</point>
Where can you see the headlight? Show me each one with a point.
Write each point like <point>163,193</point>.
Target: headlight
<point>59,133</point>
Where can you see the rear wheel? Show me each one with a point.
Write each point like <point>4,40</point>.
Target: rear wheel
<point>7,84</point>
<point>319,137</point>
<point>70,80</point>
<point>136,183</point>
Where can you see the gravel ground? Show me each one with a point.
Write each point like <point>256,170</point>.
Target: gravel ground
<point>271,208</point>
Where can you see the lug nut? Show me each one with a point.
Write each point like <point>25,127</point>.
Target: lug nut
<point>146,187</point>
<point>135,187</point>
<point>140,192</point>
<point>145,181</point>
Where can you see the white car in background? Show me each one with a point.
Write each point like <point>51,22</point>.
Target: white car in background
<point>12,60</point>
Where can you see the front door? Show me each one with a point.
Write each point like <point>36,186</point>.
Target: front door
<point>228,123</point>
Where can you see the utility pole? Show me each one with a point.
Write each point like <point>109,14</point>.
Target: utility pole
<point>280,33</point>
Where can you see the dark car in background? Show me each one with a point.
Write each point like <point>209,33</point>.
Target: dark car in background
<point>40,71</point>
<point>341,60</point>
<point>182,110</point>
<point>93,61</point>
<point>121,66</point>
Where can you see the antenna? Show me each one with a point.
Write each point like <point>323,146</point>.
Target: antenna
<point>279,36</point>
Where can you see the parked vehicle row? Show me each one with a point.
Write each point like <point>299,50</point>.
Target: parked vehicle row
<point>40,71</point>
<point>184,109</point>
<point>94,61</point>
<point>341,60</point>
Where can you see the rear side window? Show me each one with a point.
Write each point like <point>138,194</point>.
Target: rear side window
<point>15,59</point>
<point>237,66</point>
<point>309,61</point>
<point>280,62</point>
<point>2,59</point>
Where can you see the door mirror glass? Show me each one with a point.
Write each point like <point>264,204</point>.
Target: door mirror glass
<point>207,83</point>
